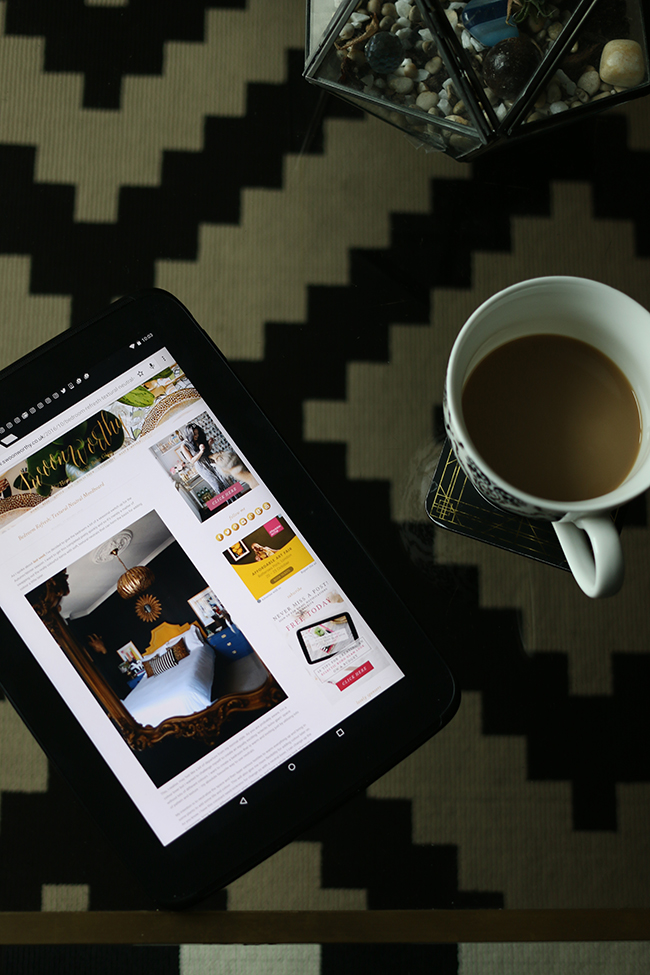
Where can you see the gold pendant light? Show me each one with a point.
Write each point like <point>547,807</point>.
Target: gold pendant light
<point>135,581</point>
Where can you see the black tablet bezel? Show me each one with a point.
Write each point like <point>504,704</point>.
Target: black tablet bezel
<point>279,806</point>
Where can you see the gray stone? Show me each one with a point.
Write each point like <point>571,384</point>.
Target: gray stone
<point>589,82</point>
<point>402,86</point>
<point>427,100</point>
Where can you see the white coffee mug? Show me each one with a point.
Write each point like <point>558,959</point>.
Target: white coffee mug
<point>616,325</point>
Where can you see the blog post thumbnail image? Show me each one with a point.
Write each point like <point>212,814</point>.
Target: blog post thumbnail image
<point>203,467</point>
<point>156,646</point>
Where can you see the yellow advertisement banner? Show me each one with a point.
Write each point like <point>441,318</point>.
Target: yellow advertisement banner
<point>263,576</point>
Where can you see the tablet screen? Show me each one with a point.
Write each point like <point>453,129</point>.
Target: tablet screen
<point>167,593</point>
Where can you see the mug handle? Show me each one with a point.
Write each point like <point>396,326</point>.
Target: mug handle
<point>597,568</point>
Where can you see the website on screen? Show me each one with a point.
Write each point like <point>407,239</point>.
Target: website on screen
<point>170,598</point>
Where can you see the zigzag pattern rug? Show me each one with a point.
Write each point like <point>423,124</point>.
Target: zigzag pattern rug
<point>144,142</point>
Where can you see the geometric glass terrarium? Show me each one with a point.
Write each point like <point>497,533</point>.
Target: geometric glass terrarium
<point>463,77</point>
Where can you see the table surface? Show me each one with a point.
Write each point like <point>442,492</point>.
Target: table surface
<point>334,263</point>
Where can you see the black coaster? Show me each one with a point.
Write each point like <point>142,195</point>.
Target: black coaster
<point>453,503</point>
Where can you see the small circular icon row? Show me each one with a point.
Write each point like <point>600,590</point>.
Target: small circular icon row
<point>243,522</point>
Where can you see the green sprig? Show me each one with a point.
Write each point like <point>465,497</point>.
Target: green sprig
<point>539,8</point>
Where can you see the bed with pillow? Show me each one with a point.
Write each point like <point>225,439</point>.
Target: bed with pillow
<point>189,691</point>
<point>178,678</point>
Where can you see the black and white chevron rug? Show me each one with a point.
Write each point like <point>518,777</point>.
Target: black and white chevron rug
<point>145,142</point>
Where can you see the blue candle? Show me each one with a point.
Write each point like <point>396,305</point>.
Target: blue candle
<point>486,21</point>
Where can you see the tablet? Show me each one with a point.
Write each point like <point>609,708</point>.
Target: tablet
<point>189,630</point>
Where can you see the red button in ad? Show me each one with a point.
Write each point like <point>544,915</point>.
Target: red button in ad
<point>355,675</point>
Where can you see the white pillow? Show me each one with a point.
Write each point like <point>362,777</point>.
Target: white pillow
<point>193,638</point>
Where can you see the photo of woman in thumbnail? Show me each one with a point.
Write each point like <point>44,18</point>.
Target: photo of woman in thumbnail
<point>262,551</point>
<point>204,468</point>
<point>195,449</point>
<point>230,463</point>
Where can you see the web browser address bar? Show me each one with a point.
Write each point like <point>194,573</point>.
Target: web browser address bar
<point>134,377</point>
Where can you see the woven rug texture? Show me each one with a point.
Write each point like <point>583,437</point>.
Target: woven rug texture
<point>150,143</point>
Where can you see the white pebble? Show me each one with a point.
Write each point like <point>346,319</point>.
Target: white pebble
<point>347,32</point>
<point>404,35</point>
<point>403,8</point>
<point>402,86</point>
<point>452,17</point>
<point>426,34</point>
<point>568,85</point>
<point>556,107</point>
<point>359,18</point>
<point>427,100</point>
<point>589,82</point>
<point>501,111</point>
<point>466,40</point>
<point>434,65</point>
<point>444,105</point>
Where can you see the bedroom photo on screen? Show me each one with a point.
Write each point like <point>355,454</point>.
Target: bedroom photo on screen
<point>156,646</point>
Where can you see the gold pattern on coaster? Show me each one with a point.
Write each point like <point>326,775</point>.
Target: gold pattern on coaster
<point>453,503</point>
